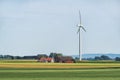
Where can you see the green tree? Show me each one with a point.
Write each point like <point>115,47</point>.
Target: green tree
<point>117,58</point>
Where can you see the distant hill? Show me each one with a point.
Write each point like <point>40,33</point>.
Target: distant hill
<point>98,54</point>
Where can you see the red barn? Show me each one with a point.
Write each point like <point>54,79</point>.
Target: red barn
<point>43,59</point>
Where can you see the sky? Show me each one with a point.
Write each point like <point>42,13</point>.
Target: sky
<point>31,27</point>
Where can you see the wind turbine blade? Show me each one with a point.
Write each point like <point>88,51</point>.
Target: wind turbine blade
<point>78,30</point>
<point>83,28</point>
<point>80,17</point>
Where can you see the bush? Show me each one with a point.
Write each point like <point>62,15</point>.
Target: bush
<point>103,57</point>
<point>117,58</point>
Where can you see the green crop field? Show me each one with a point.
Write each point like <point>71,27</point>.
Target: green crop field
<point>59,74</point>
<point>10,70</point>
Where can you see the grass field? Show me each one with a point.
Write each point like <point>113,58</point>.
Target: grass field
<point>59,71</point>
<point>59,74</point>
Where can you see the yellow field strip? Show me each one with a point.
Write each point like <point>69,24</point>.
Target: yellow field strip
<point>58,65</point>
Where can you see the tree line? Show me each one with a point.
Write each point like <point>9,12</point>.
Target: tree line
<point>102,57</point>
<point>17,57</point>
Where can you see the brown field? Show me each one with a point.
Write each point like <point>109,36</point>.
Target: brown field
<point>59,65</point>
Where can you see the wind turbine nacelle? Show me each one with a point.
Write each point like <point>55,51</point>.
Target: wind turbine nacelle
<point>79,25</point>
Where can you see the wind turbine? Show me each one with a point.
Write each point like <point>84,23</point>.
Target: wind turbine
<point>79,32</point>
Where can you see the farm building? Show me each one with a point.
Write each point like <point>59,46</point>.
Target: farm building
<point>67,59</point>
<point>56,57</point>
<point>43,59</point>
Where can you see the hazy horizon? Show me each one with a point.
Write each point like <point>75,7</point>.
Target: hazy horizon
<point>30,27</point>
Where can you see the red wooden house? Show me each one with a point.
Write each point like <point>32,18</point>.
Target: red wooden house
<point>43,59</point>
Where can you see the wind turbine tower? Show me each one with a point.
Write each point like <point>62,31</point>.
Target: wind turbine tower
<point>80,26</point>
